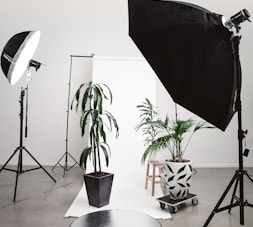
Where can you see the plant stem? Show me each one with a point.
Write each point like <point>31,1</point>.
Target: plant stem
<point>98,153</point>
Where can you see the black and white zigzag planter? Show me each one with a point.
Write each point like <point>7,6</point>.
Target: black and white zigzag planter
<point>178,177</point>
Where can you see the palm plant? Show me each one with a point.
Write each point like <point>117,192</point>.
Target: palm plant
<point>148,116</point>
<point>90,97</point>
<point>173,136</point>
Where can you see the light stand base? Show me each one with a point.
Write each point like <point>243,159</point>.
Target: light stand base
<point>65,167</point>
<point>20,170</point>
<point>235,200</point>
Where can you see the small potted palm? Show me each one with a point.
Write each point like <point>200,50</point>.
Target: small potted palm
<point>177,170</point>
<point>98,122</point>
<point>169,136</point>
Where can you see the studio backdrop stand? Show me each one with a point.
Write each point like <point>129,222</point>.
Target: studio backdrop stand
<point>21,148</point>
<point>238,178</point>
<point>66,167</point>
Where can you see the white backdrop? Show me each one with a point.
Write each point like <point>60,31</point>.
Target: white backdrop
<point>130,80</point>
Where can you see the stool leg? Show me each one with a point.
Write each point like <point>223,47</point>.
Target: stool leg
<point>153,179</point>
<point>147,175</point>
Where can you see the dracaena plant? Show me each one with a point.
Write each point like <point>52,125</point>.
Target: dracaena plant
<point>90,98</point>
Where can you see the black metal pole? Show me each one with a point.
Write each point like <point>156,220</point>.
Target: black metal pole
<point>20,156</point>
<point>20,149</point>
<point>241,133</point>
<point>21,129</point>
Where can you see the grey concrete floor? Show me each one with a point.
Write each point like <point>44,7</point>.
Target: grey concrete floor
<point>42,203</point>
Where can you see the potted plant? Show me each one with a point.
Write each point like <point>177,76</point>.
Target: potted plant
<point>177,170</point>
<point>94,118</point>
<point>148,116</point>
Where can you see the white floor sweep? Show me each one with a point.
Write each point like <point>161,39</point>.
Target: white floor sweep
<point>130,197</point>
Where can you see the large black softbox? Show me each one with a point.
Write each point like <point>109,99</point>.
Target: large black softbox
<point>191,52</point>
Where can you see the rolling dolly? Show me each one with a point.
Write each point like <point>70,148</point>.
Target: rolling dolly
<point>166,200</point>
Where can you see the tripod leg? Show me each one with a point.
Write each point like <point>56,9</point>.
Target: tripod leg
<point>40,165</point>
<point>58,161</point>
<point>17,174</point>
<point>73,158</point>
<point>220,200</point>
<point>242,202</point>
<point>70,167</point>
<point>250,178</point>
<point>233,195</point>
<point>65,166</point>
<point>6,163</point>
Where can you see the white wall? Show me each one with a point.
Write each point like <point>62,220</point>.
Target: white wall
<point>100,27</point>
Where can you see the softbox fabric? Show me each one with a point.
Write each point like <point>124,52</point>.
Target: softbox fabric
<point>191,52</point>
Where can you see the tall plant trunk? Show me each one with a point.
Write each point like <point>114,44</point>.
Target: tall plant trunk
<point>179,152</point>
<point>95,157</point>
<point>99,162</point>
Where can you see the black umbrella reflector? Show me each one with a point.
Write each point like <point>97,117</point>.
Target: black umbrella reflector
<point>17,54</point>
<point>191,52</point>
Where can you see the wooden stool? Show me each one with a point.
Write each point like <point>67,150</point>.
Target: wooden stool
<point>157,165</point>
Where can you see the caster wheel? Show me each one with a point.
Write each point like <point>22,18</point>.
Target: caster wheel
<point>162,205</point>
<point>174,210</point>
<point>195,202</point>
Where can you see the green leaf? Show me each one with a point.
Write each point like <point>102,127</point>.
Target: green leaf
<point>84,156</point>
<point>105,151</point>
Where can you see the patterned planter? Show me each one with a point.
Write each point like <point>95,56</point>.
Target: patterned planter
<point>178,177</point>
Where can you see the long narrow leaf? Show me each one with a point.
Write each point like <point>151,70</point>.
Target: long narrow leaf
<point>84,156</point>
<point>105,147</point>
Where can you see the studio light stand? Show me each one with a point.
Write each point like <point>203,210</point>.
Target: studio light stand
<point>66,167</point>
<point>16,58</point>
<point>238,178</point>
<point>21,148</point>
<point>194,50</point>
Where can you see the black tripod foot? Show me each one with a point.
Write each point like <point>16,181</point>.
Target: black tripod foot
<point>235,200</point>
<point>19,169</point>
